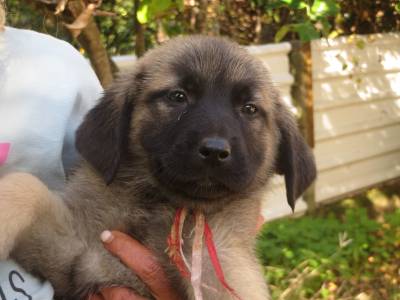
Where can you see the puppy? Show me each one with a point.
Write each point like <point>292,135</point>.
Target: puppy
<point>197,124</point>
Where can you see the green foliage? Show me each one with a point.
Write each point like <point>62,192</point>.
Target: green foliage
<point>313,256</point>
<point>311,18</point>
<point>316,237</point>
<point>248,22</point>
<point>21,15</point>
<point>118,33</point>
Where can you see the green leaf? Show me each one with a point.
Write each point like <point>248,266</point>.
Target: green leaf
<point>397,7</point>
<point>282,32</point>
<point>295,4</point>
<point>324,8</point>
<point>179,4</point>
<point>306,31</point>
<point>143,13</point>
<point>274,4</point>
<point>150,9</point>
<point>321,9</point>
<point>360,44</point>
<point>325,292</point>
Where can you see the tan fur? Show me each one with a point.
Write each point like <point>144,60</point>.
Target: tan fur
<point>22,198</point>
<point>242,270</point>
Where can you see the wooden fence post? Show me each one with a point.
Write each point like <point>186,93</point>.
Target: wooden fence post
<point>301,69</point>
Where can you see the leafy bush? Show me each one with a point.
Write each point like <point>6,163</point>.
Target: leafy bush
<point>247,22</point>
<point>326,257</point>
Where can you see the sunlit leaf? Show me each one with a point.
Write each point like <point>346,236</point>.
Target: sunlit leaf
<point>281,33</point>
<point>150,9</point>
<point>143,13</point>
<point>397,7</point>
<point>324,8</point>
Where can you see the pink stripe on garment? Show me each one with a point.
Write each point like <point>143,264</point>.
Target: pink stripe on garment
<point>4,150</point>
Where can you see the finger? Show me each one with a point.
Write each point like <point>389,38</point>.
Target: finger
<point>120,293</point>
<point>140,260</point>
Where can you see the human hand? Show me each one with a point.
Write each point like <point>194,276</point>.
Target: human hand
<point>142,262</point>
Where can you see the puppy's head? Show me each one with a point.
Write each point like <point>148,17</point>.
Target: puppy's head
<point>202,116</point>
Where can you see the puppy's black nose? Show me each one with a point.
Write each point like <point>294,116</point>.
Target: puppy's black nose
<point>215,149</point>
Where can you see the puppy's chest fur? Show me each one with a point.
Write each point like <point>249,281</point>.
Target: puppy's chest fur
<point>73,244</point>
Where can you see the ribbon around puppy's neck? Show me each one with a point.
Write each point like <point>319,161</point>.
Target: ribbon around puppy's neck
<point>175,252</point>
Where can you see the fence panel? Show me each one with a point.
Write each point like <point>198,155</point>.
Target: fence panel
<point>356,91</point>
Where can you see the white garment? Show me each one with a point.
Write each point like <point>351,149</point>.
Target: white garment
<point>46,87</point>
<point>15,283</point>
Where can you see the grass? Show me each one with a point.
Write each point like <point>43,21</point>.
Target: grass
<point>347,250</point>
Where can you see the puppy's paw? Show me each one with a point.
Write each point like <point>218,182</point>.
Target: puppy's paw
<point>22,198</point>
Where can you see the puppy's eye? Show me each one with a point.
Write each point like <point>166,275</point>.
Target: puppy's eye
<point>249,109</point>
<point>177,96</point>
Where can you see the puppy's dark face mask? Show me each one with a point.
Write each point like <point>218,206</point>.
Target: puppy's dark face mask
<point>207,138</point>
<point>206,121</point>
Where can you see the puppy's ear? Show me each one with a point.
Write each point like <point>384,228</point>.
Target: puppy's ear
<point>102,137</point>
<point>295,158</point>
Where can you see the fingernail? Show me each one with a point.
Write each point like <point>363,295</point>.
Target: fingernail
<point>106,236</point>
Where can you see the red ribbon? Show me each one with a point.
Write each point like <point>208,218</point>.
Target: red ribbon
<point>174,242</point>
<point>174,250</point>
<point>212,252</point>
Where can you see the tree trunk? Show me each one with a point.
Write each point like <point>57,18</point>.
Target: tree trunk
<point>139,33</point>
<point>300,60</point>
<point>2,16</point>
<point>90,39</point>
<point>201,20</point>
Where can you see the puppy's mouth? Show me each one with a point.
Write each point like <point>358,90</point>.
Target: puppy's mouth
<point>204,188</point>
